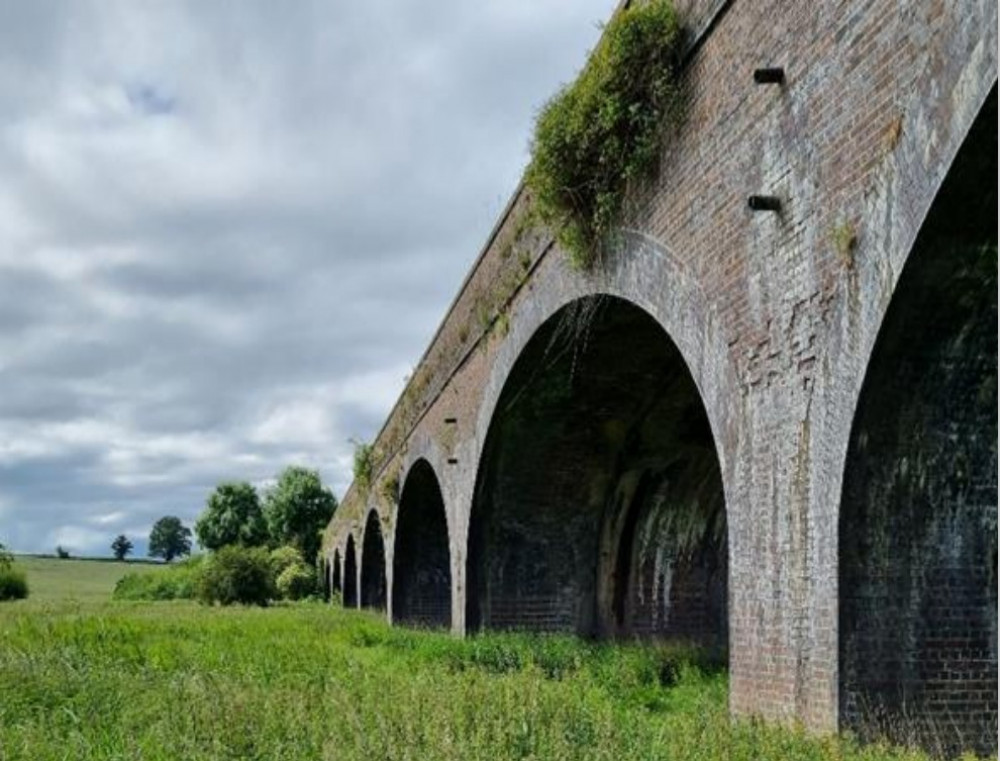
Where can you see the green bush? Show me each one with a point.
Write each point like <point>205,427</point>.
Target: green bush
<point>296,582</point>
<point>177,582</point>
<point>284,557</point>
<point>237,574</point>
<point>606,128</point>
<point>13,583</point>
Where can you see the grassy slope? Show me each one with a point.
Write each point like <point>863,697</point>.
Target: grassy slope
<point>53,580</point>
<point>91,680</point>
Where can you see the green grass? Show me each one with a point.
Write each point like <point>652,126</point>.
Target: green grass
<point>54,580</point>
<point>174,680</point>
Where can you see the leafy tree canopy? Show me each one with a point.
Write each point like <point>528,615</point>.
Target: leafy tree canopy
<point>232,516</point>
<point>298,508</point>
<point>121,547</point>
<point>169,538</point>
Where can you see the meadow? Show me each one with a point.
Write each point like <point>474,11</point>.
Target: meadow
<point>82,677</point>
<point>77,579</point>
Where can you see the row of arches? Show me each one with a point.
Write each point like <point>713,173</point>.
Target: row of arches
<point>599,505</point>
<point>421,593</point>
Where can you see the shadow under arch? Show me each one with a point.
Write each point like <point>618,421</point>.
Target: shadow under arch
<point>598,506</point>
<point>350,574</point>
<point>917,534</point>
<point>335,583</point>
<point>421,560</point>
<point>373,564</point>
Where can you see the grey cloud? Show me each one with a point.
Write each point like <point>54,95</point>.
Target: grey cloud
<point>226,234</point>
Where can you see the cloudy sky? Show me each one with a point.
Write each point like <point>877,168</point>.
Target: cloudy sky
<point>228,231</point>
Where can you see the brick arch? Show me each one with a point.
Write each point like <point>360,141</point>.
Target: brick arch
<point>644,272</point>
<point>351,582</point>
<point>647,275</point>
<point>598,452</point>
<point>421,588</point>
<point>373,579</point>
<point>917,523</point>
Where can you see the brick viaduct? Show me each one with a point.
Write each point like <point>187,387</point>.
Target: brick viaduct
<point>772,433</point>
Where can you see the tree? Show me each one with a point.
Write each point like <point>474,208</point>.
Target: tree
<point>169,538</point>
<point>297,509</point>
<point>232,516</point>
<point>121,546</point>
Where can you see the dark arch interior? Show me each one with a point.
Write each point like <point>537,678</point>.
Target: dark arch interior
<point>335,584</point>
<point>350,575</point>
<point>599,506</point>
<point>421,563</point>
<point>373,565</point>
<point>918,522</point>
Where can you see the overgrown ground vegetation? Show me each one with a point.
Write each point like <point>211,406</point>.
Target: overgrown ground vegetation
<point>168,680</point>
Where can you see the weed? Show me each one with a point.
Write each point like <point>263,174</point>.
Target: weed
<point>844,238</point>
<point>606,129</point>
<point>364,465</point>
<point>390,488</point>
<point>893,134</point>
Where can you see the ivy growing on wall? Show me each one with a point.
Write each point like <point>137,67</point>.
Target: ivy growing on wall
<point>605,129</point>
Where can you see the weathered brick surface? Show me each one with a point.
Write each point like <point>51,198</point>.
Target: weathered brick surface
<point>774,317</point>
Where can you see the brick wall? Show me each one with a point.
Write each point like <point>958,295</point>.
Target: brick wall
<point>775,318</point>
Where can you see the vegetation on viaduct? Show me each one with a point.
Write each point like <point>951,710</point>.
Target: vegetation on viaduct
<point>763,419</point>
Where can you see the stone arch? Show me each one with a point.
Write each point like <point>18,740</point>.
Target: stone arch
<point>421,576</point>
<point>599,504</point>
<point>350,574</point>
<point>917,536</point>
<point>373,579</point>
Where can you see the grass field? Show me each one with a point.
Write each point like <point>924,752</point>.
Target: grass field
<point>88,679</point>
<point>54,580</point>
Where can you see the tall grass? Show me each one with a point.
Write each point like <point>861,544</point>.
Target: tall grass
<point>175,680</point>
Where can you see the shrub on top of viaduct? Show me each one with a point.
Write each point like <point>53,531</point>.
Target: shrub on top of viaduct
<point>768,430</point>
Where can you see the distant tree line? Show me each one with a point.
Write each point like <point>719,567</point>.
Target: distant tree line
<point>262,546</point>
<point>292,513</point>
